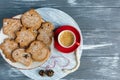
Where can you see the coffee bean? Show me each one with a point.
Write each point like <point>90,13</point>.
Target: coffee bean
<point>42,73</point>
<point>49,73</point>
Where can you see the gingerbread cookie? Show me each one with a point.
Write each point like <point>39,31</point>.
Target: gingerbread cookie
<point>31,19</point>
<point>47,26</point>
<point>38,51</point>
<point>25,36</point>
<point>10,26</point>
<point>43,55</point>
<point>19,55</point>
<point>46,33</point>
<point>7,47</point>
<point>35,47</point>
<point>44,37</point>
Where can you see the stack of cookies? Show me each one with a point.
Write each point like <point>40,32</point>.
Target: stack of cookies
<point>28,39</point>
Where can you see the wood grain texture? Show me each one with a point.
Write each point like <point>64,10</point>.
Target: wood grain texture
<point>99,21</point>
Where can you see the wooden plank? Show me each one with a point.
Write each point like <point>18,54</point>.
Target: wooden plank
<point>88,18</point>
<point>7,72</point>
<point>58,3</point>
<point>97,68</point>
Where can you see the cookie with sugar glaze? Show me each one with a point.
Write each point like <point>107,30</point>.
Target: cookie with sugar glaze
<point>7,47</point>
<point>31,19</point>
<point>47,26</point>
<point>19,55</point>
<point>44,37</point>
<point>39,51</point>
<point>25,37</point>
<point>10,26</point>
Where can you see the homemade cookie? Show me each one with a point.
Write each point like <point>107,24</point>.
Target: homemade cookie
<point>7,47</point>
<point>19,55</point>
<point>10,26</point>
<point>46,33</point>
<point>35,47</point>
<point>47,26</point>
<point>44,37</point>
<point>31,19</point>
<point>43,55</point>
<point>38,51</point>
<point>25,37</point>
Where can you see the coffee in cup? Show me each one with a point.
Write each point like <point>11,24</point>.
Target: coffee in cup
<point>66,38</point>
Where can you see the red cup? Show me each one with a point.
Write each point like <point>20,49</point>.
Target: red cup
<point>72,37</point>
<point>72,47</point>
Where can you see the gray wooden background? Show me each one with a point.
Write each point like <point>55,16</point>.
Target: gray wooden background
<point>99,21</point>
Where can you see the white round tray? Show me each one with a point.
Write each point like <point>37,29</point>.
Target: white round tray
<point>62,64</point>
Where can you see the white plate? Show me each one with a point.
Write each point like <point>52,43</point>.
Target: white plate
<point>58,18</point>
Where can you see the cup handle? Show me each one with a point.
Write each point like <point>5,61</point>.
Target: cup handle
<point>77,43</point>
